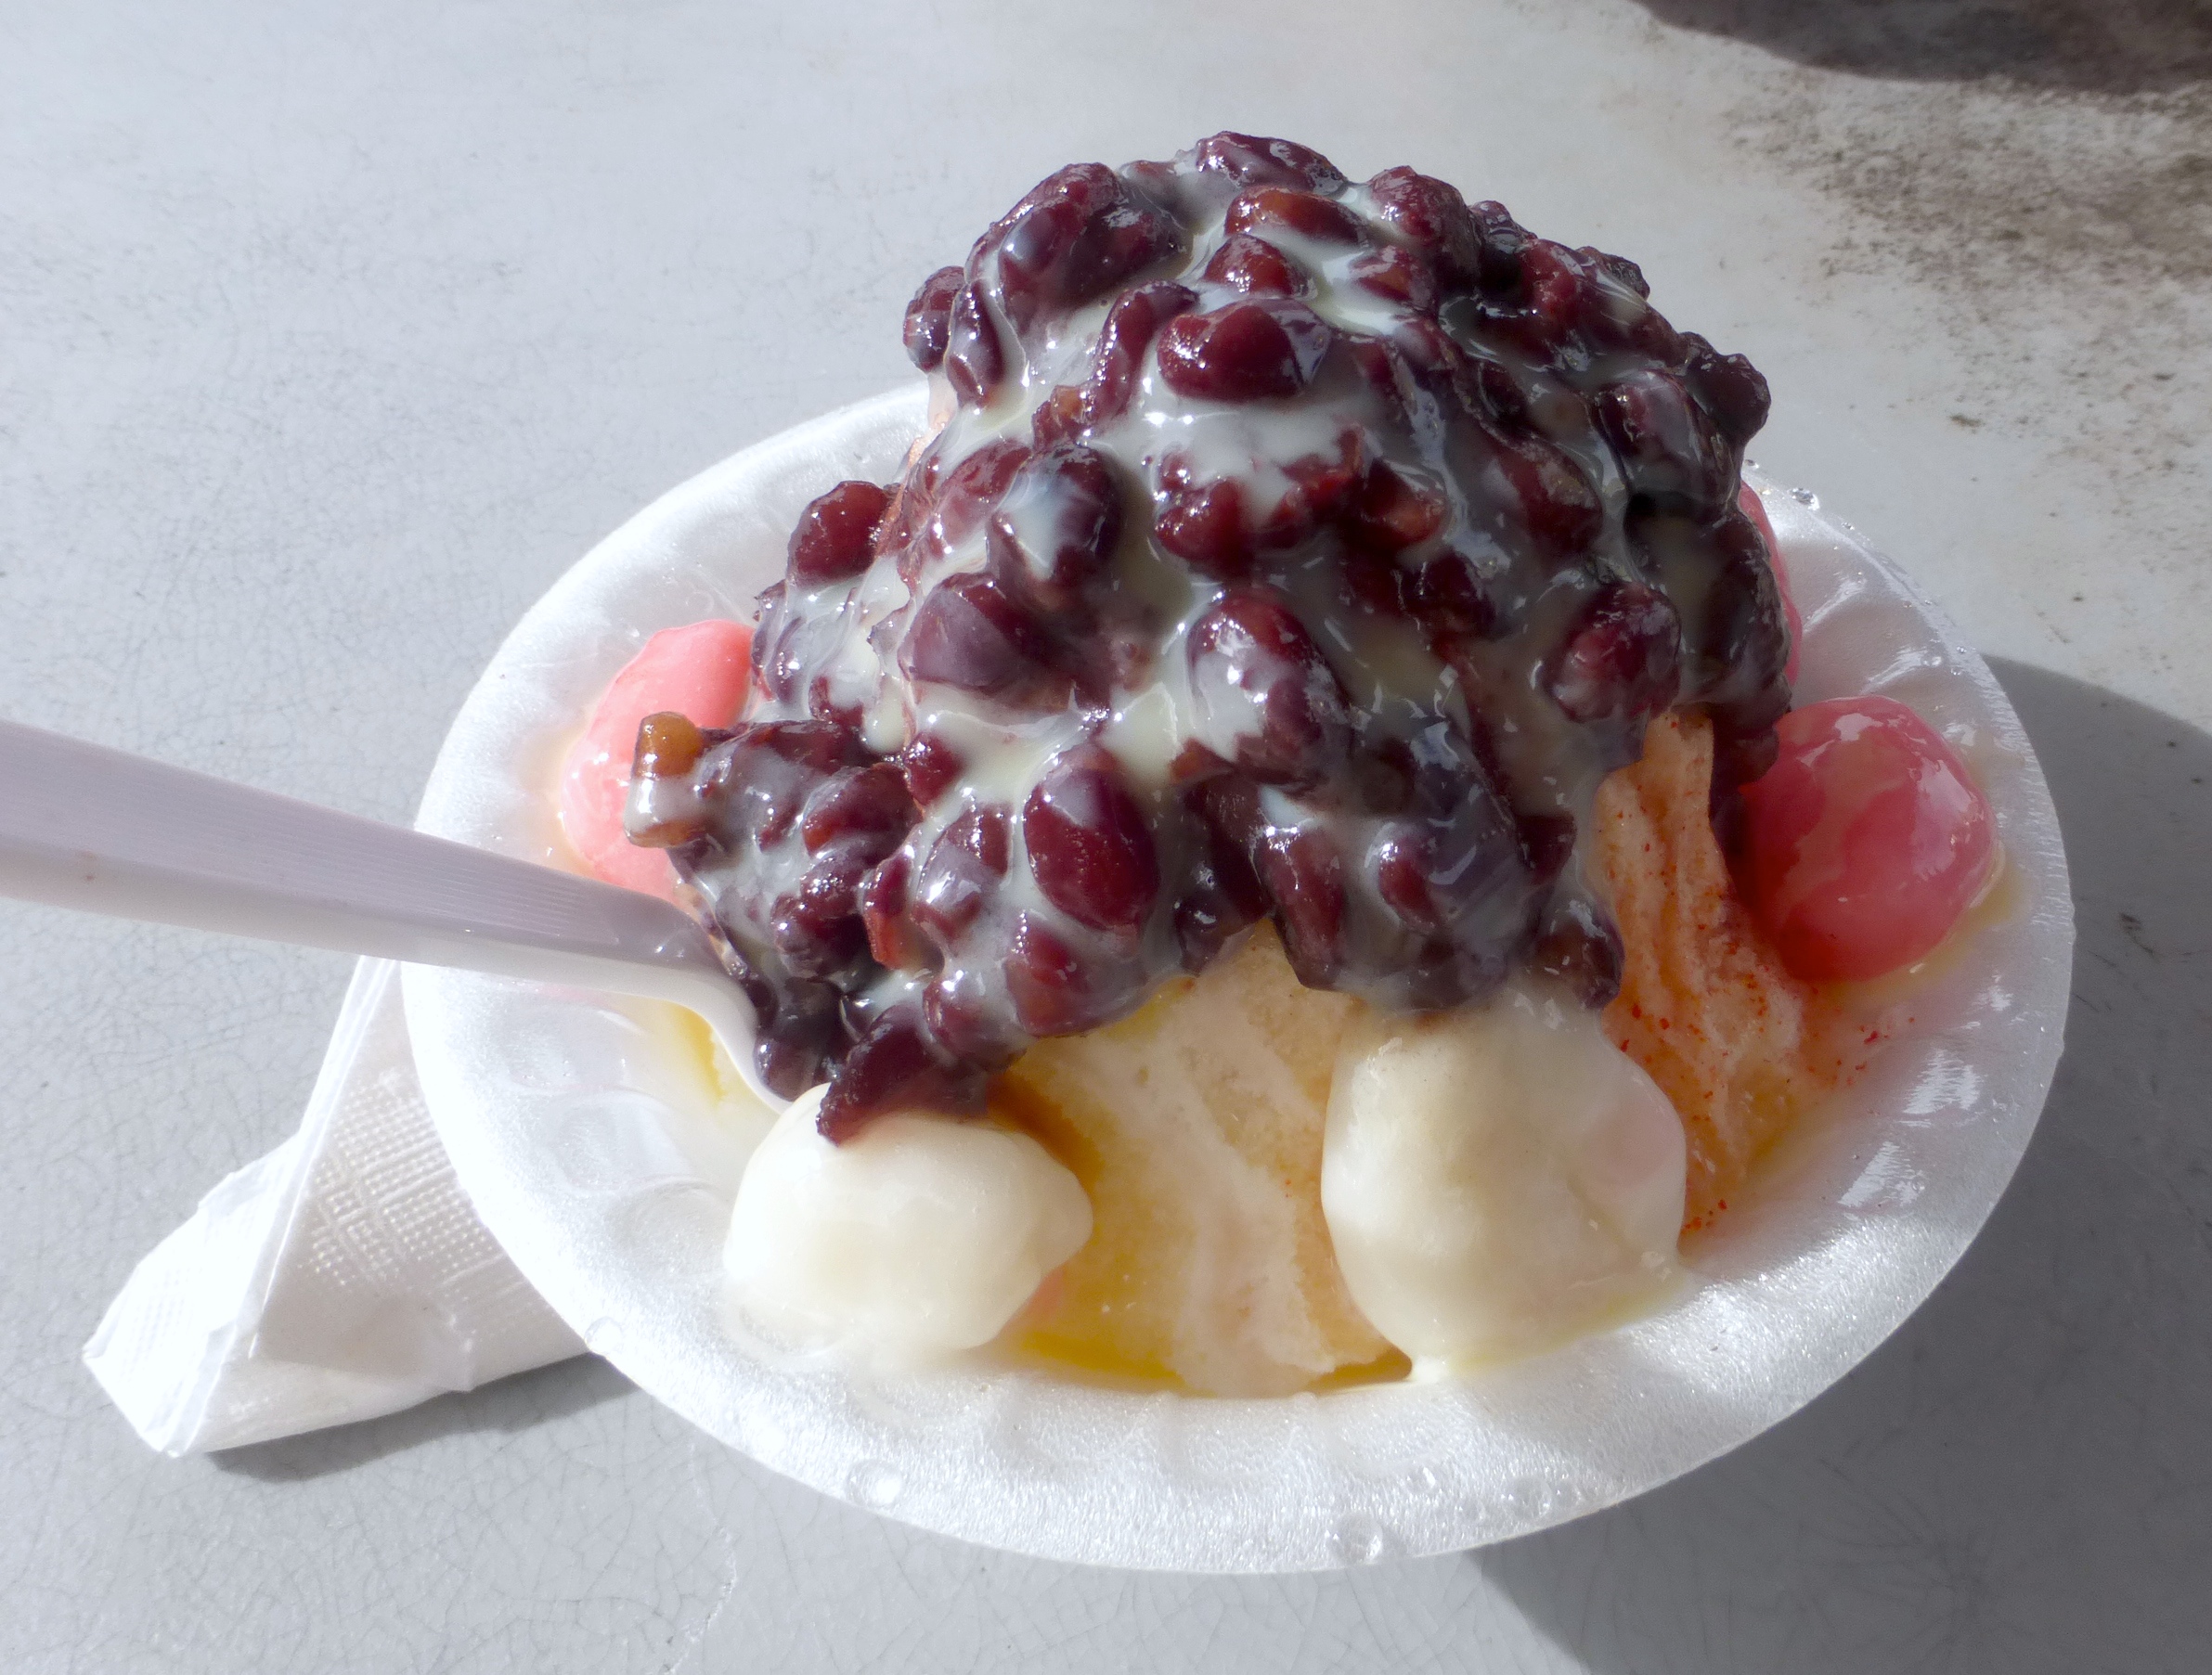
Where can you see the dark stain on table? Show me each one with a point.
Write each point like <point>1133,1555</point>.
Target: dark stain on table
<point>2114,46</point>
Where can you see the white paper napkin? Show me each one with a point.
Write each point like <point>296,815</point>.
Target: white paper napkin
<point>343,1276</point>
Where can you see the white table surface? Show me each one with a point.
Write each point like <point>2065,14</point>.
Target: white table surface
<point>329,335</point>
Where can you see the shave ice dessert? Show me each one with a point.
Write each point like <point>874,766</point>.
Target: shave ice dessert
<point>1280,851</point>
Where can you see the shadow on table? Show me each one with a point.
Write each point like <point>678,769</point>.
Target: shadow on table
<point>2085,45</point>
<point>512,1405</point>
<point>2020,1478</point>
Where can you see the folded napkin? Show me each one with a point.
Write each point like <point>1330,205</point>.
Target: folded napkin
<point>343,1276</point>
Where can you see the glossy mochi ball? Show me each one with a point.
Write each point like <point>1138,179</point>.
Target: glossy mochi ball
<point>1864,842</point>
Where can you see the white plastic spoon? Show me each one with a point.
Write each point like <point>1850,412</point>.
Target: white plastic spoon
<point>85,826</point>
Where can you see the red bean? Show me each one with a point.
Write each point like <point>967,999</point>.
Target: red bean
<point>1619,269</point>
<point>1060,417</point>
<point>798,1040</point>
<point>1221,896</point>
<point>971,490</point>
<point>894,940</point>
<point>1252,162</point>
<point>928,318</point>
<point>770,627</point>
<point>1318,218</point>
<point>1548,840</point>
<point>817,929</point>
<point>1394,511</point>
<point>1327,486</point>
<point>909,511</point>
<point>870,804</point>
<point>1498,394</point>
<point>1400,856</point>
<point>770,769</point>
<point>1397,276</point>
<point>1090,844</point>
<point>1502,242</point>
<point>1305,876</point>
<point>1555,299</point>
<point>1255,266</point>
<point>1205,528</point>
<point>1266,698</point>
<point>961,875</point>
<point>968,634</point>
<point>1383,770</point>
<point>975,361</point>
<point>1430,353</point>
<point>893,1068</point>
<point>1748,503</point>
<point>966,1020</point>
<point>1668,447</point>
<point>668,748</point>
<point>1163,184</point>
<point>1479,875</point>
<point>931,766</point>
<point>1623,659</point>
<point>1434,218</point>
<point>1075,236</point>
<point>822,705</point>
<point>1449,594</point>
<point>833,540</point>
<point>1549,503</point>
<point>1252,351</point>
<point>1131,325</point>
<point>1049,985</point>
<point>1057,526</point>
<point>1580,947</point>
<point>820,747</point>
<point>1449,769</point>
<point>1737,637</point>
<point>789,641</point>
<point>1228,806</point>
<point>1728,387</point>
<point>1460,875</point>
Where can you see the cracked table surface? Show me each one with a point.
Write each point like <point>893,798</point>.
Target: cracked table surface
<point>329,336</point>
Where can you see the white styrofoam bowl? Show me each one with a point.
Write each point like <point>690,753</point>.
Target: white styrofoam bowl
<point>610,1189</point>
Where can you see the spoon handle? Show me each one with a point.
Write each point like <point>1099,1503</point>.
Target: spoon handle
<point>86,827</point>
